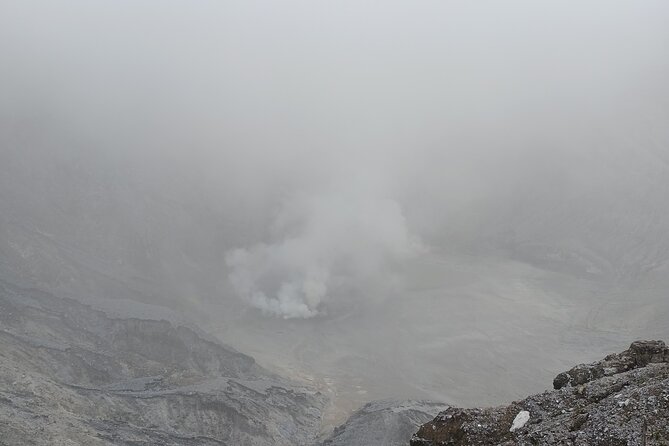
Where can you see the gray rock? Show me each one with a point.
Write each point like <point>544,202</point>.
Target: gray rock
<point>72,375</point>
<point>640,354</point>
<point>621,400</point>
<point>384,423</point>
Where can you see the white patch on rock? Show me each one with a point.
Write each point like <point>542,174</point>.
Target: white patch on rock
<point>521,419</point>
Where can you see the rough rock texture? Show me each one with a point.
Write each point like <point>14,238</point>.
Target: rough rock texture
<point>640,354</point>
<point>621,400</point>
<point>71,375</point>
<point>384,423</point>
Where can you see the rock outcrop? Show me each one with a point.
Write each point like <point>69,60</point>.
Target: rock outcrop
<point>384,423</point>
<point>640,354</point>
<point>622,400</point>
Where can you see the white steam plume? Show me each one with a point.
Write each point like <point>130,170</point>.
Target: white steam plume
<point>320,243</point>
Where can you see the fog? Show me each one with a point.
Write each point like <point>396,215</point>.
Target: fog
<point>340,176</point>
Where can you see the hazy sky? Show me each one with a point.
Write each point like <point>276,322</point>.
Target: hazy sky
<point>353,130</point>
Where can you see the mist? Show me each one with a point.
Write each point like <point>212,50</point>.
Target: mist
<point>338,187</point>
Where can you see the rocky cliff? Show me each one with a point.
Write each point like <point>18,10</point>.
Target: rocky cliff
<point>622,400</point>
<point>70,374</point>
